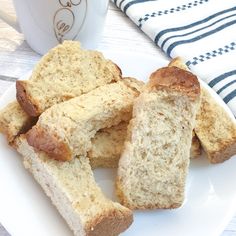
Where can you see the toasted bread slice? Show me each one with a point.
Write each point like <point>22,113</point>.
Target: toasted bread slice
<point>154,165</point>
<point>66,129</point>
<point>72,189</point>
<point>65,72</point>
<point>215,128</point>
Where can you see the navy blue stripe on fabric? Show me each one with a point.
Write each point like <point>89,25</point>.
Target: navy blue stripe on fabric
<point>221,77</point>
<point>226,86</point>
<point>121,3</point>
<point>230,96</point>
<point>115,2</point>
<point>135,2</point>
<point>192,32</point>
<point>173,45</point>
<point>161,33</point>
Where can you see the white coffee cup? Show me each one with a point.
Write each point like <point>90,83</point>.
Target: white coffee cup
<point>46,23</point>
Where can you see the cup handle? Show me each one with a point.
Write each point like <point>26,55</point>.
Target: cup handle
<point>10,20</point>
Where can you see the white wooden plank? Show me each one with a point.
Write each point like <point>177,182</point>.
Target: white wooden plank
<point>4,85</point>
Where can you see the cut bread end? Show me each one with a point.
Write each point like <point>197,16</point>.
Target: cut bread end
<point>41,140</point>
<point>112,222</point>
<point>174,78</point>
<point>26,102</point>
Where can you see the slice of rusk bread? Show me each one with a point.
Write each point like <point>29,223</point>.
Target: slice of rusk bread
<point>154,164</point>
<point>14,121</point>
<point>215,128</point>
<point>65,72</point>
<point>65,130</point>
<point>72,189</point>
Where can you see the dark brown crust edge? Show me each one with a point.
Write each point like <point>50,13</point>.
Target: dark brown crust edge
<point>119,70</point>
<point>174,78</point>
<point>51,145</point>
<point>110,223</point>
<point>24,99</point>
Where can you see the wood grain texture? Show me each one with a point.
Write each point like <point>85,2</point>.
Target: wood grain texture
<point>120,34</point>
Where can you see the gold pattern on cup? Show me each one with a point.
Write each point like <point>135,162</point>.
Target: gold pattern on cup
<point>63,26</point>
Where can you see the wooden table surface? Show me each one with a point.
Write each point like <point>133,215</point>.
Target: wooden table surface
<point>16,58</point>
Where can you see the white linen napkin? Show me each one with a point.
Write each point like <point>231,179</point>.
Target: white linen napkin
<point>202,32</point>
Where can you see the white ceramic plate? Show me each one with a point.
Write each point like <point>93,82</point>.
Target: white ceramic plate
<point>210,192</point>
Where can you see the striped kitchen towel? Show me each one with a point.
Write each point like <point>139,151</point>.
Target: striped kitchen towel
<point>202,32</point>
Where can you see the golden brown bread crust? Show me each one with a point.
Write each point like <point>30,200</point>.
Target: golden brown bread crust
<point>110,223</point>
<point>176,79</point>
<point>25,100</point>
<point>42,141</point>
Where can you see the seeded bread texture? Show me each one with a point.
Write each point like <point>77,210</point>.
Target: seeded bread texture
<point>66,129</point>
<point>14,121</point>
<point>215,129</point>
<point>154,165</point>
<point>72,189</point>
<point>65,72</point>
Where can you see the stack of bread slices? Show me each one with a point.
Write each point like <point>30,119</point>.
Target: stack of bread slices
<point>77,113</point>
